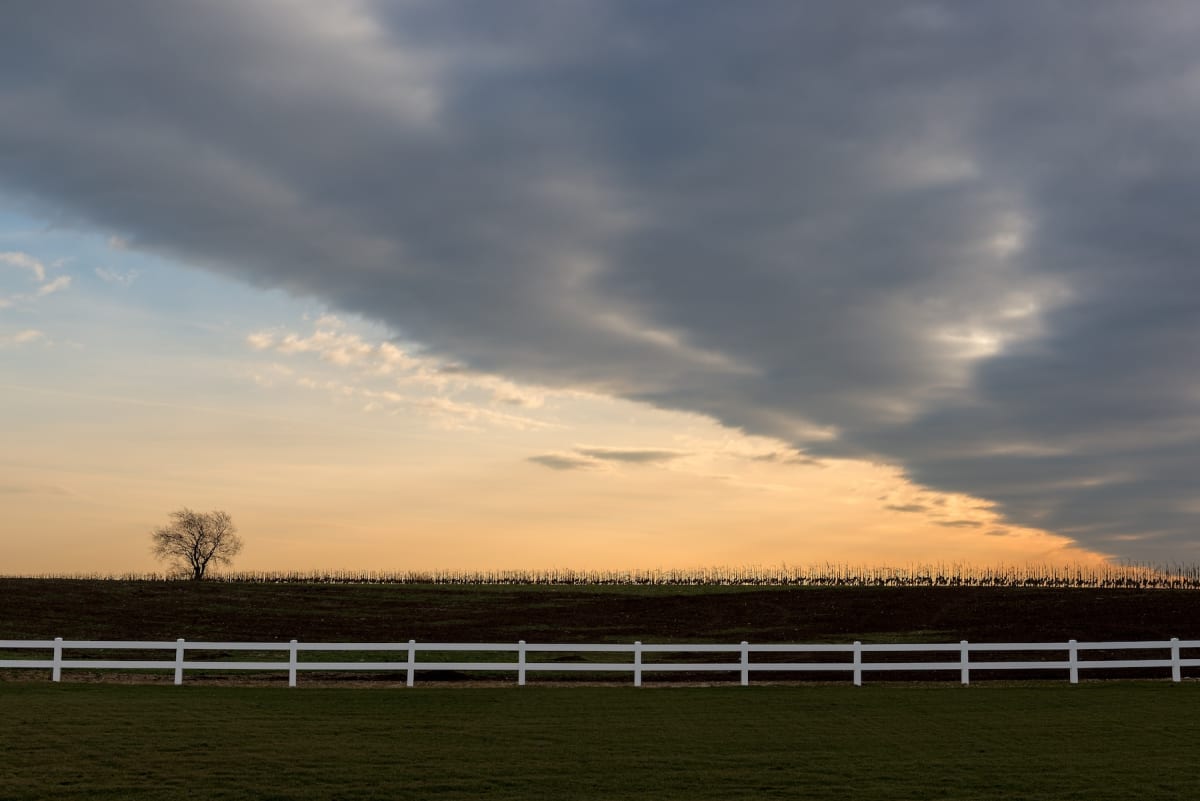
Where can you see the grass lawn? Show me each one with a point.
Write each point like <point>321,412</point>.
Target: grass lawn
<point>1104,740</point>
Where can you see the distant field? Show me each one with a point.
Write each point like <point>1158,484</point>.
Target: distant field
<point>1096,576</point>
<point>1096,741</point>
<point>165,610</point>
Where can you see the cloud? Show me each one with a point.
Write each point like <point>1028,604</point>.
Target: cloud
<point>954,237</point>
<point>260,340</point>
<point>37,270</point>
<point>907,507</point>
<point>777,457</point>
<point>456,414</point>
<point>116,277</point>
<point>589,458</point>
<point>561,461</point>
<point>25,262</point>
<point>630,455</point>
<point>57,285</point>
<point>26,337</point>
<point>332,344</point>
<point>959,523</point>
<point>389,378</point>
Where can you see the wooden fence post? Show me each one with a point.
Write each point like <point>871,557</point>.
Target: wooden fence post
<point>964,658</point>
<point>745,663</point>
<point>857,663</point>
<point>179,662</point>
<point>1073,660</point>
<point>1176,669</point>
<point>56,671</point>
<point>637,663</point>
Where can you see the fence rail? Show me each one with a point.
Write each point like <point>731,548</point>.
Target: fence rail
<point>855,657</point>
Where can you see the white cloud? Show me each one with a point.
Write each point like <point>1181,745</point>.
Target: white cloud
<point>26,337</point>
<point>391,379</point>
<point>441,412</point>
<point>453,414</point>
<point>57,285</point>
<point>25,262</point>
<point>114,277</point>
<point>331,343</point>
<point>260,340</point>
<point>37,268</point>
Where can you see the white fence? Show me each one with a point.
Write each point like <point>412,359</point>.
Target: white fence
<point>1060,656</point>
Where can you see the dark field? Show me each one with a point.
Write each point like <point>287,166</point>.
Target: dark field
<point>1037,743</point>
<point>135,610</point>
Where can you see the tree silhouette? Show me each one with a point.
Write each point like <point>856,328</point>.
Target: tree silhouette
<point>194,540</point>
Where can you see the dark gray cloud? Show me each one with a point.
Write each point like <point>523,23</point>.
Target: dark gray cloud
<point>589,458</point>
<point>562,461</point>
<point>629,455</point>
<point>776,457</point>
<point>954,236</point>
<point>907,507</point>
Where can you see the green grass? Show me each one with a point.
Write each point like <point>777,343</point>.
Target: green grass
<point>1095,741</point>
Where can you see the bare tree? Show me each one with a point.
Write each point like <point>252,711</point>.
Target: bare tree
<point>194,540</point>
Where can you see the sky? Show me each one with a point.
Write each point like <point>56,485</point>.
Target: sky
<point>600,283</point>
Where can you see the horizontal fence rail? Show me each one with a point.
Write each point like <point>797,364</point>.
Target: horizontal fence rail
<point>855,658</point>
